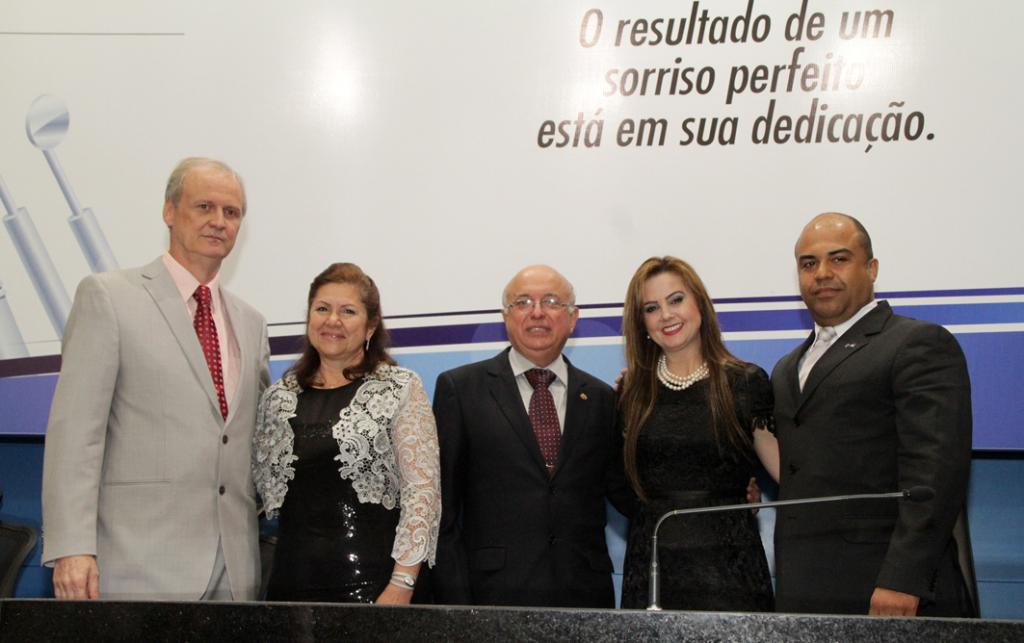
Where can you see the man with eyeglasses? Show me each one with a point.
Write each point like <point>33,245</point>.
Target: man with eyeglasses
<point>529,453</point>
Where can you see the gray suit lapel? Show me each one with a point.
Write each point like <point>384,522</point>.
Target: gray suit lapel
<point>233,312</point>
<point>157,281</point>
<point>505,392</point>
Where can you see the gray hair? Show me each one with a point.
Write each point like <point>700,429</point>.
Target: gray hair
<point>172,194</point>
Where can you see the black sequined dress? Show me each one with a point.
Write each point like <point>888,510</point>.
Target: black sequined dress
<point>331,547</point>
<point>706,562</point>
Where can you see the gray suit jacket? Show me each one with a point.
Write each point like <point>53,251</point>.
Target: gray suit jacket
<point>140,469</point>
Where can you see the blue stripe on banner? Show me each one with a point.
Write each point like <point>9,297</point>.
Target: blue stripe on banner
<point>946,314</point>
<point>898,294</point>
<point>611,326</point>
<point>26,404</point>
<point>730,321</point>
<point>994,360</point>
<point>27,384</point>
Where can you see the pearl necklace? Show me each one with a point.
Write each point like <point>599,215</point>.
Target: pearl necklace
<point>676,383</point>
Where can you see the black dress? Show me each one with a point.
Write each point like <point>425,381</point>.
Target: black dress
<point>706,562</point>
<point>331,547</point>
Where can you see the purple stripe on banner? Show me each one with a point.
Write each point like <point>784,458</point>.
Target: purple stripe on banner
<point>730,321</point>
<point>286,345</point>
<point>452,334</point>
<point>966,292</point>
<point>29,365</point>
<point>611,325</point>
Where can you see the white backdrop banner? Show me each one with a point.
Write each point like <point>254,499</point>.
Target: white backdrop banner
<point>442,146</point>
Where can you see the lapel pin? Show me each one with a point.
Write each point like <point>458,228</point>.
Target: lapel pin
<point>583,396</point>
<point>850,345</point>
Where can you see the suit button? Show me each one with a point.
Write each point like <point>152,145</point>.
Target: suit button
<point>224,440</point>
<point>221,490</point>
<point>551,540</point>
<point>551,490</point>
<point>793,468</point>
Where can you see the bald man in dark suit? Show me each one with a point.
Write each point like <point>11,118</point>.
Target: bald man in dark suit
<point>872,402</point>
<point>524,510</point>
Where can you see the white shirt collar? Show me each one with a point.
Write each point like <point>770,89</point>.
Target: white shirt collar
<point>520,364</point>
<point>186,282</point>
<point>848,324</point>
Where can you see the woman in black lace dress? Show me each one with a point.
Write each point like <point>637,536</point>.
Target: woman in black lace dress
<point>346,450</point>
<point>696,422</point>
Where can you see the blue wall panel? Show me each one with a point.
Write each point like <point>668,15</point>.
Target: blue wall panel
<point>994,359</point>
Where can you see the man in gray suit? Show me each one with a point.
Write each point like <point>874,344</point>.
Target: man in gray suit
<point>147,491</point>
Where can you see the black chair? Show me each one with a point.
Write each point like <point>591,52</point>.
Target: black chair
<point>16,543</point>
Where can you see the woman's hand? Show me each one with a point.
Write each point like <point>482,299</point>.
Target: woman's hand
<point>767,449</point>
<point>393,595</point>
<point>753,492</point>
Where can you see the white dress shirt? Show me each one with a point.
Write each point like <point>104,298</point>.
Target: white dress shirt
<point>230,355</point>
<point>559,387</point>
<point>839,328</point>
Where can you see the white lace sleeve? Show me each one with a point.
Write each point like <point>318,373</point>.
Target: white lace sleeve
<point>414,439</point>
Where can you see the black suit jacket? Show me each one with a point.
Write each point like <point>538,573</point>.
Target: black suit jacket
<point>510,533</point>
<point>887,407</point>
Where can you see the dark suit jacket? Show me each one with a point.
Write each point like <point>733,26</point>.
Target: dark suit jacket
<point>887,407</point>
<point>510,533</point>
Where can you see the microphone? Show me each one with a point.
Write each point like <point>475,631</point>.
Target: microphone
<point>918,493</point>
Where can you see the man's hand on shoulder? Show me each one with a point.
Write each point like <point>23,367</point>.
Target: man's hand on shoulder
<point>887,602</point>
<point>617,386</point>
<point>76,578</point>
<point>753,494</point>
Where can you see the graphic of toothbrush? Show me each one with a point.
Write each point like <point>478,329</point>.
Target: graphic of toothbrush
<point>11,343</point>
<point>46,124</point>
<point>36,260</point>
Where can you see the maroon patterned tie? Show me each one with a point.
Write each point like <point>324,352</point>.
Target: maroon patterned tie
<point>543,416</point>
<point>206,330</point>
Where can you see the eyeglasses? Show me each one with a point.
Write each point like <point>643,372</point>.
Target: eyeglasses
<point>549,303</point>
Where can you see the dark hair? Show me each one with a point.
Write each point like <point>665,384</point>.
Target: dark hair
<point>640,386</point>
<point>305,368</point>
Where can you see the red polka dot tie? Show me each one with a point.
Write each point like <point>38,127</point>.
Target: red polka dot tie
<point>206,330</point>
<point>543,416</point>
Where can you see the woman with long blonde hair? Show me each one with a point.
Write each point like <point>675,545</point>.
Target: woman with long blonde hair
<point>696,422</point>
